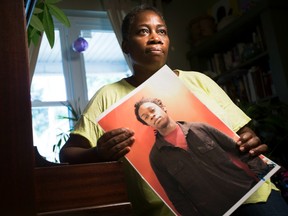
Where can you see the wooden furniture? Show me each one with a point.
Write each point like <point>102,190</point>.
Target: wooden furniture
<point>26,190</point>
<point>84,189</point>
<point>88,189</point>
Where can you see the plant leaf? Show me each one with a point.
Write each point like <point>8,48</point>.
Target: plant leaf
<point>53,148</point>
<point>32,32</point>
<point>48,26</point>
<point>37,10</point>
<point>34,36</point>
<point>36,23</point>
<point>43,21</point>
<point>59,14</point>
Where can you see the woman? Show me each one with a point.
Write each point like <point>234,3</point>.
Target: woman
<point>146,43</point>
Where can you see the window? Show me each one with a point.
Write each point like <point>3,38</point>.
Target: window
<point>64,76</point>
<point>102,64</point>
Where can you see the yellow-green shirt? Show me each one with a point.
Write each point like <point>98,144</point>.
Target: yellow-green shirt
<point>144,200</point>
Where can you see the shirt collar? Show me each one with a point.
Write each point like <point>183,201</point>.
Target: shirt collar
<point>161,142</point>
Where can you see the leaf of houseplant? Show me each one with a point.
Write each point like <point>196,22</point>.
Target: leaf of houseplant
<point>44,10</point>
<point>36,23</point>
<point>48,26</point>
<point>34,35</point>
<point>58,14</point>
<point>37,10</point>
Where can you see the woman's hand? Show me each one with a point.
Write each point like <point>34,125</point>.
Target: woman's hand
<point>249,141</point>
<point>114,144</point>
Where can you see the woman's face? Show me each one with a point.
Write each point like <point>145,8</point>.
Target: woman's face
<point>148,42</point>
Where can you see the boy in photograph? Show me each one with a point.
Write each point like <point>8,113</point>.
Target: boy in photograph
<point>200,168</point>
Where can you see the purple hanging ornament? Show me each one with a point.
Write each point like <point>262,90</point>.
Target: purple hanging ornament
<point>80,45</point>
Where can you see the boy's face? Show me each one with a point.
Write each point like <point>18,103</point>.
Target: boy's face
<point>148,41</point>
<point>153,115</point>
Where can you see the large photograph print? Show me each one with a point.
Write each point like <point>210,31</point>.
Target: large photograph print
<point>211,174</point>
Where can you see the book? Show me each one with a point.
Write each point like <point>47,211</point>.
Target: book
<point>182,105</point>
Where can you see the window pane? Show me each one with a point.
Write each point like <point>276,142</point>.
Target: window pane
<point>104,60</point>
<point>48,83</point>
<point>47,124</point>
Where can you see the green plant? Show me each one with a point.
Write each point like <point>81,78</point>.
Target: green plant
<point>75,112</point>
<point>42,21</point>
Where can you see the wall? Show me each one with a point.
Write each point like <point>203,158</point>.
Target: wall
<point>177,13</point>
<point>80,5</point>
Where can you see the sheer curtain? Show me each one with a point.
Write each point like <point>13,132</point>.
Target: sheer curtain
<point>33,56</point>
<point>117,9</point>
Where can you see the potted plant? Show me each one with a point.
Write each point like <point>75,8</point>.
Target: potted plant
<point>42,21</point>
<point>75,113</point>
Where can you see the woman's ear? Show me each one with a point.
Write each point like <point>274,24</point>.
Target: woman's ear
<point>124,47</point>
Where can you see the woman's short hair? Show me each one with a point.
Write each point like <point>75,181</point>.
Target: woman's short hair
<point>129,18</point>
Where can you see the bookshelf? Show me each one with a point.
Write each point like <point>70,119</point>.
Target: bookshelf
<point>248,57</point>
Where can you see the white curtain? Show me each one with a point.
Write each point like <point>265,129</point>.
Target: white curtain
<point>33,56</point>
<point>117,9</point>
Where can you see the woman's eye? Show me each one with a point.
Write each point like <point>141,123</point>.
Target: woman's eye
<point>143,31</point>
<point>162,32</point>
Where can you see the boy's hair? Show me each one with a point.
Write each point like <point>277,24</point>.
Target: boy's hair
<point>129,18</point>
<point>137,105</point>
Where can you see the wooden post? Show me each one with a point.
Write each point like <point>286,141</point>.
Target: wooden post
<point>16,143</point>
<point>20,182</point>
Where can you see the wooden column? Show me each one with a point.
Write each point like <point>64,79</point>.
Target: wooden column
<point>91,189</point>
<point>16,154</point>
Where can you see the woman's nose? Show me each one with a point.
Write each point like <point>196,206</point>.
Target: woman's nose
<point>154,37</point>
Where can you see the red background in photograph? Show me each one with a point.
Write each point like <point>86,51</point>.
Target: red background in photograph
<point>181,104</point>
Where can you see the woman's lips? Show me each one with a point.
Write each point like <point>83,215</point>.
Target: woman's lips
<point>154,50</point>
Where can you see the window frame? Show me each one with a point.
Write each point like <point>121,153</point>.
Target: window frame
<point>73,63</point>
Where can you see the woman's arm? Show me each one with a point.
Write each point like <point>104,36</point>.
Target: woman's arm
<point>111,146</point>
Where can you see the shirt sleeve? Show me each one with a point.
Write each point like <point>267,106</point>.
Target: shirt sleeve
<point>87,125</point>
<point>215,98</point>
